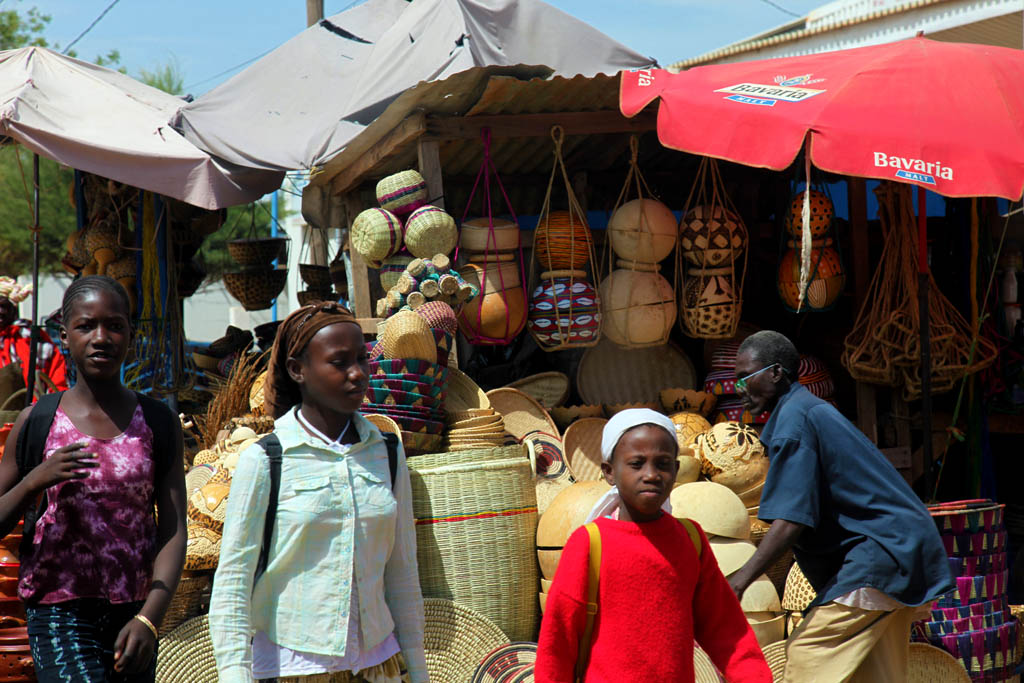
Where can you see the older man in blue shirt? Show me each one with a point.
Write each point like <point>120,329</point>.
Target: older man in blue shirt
<point>860,535</point>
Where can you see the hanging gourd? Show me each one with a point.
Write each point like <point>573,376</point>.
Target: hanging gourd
<point>564,309</point>
<point>825,277</point>
<point>638,305</point>
<point>713,251</point>
<point>497,314</point>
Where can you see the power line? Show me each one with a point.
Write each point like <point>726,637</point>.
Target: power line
<point>90,26</point>
<point>781,8</point>
<point>227,71</point>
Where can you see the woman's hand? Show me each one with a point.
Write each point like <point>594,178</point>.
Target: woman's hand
<point>64,464</point>
<point>134,648</point>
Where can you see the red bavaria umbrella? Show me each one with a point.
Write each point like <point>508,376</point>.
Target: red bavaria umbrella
<point>946,116</point>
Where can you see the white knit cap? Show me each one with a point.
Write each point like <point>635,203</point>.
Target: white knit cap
<point>621,423</point>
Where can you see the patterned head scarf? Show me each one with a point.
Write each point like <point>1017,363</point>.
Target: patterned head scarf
<point>280,392</point>
<point>621,423</point>
<point>10,289</point>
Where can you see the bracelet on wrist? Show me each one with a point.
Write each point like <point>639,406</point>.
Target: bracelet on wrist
<point>149,625</point>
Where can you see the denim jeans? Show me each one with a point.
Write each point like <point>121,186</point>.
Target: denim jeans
<point>74,641</point>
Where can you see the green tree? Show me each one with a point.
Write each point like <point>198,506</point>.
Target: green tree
<point>167,77</point>
<point>22,30</point>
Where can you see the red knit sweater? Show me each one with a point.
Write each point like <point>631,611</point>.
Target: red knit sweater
<point>655,598</point>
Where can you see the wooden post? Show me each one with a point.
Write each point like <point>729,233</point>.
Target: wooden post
<point>429,152</point>
<point>314,11</point>
<point>359,287</point>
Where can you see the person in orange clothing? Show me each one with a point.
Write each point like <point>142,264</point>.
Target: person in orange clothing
<point>659,589</point>
<point>16,338</point>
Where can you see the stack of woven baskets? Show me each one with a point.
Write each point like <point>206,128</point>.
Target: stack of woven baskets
<point>638,305</point>
<point>721,382</point>
<point>423,281</point>
<point>258,282</point>
<point>319,284</point>
<point>973,622</point>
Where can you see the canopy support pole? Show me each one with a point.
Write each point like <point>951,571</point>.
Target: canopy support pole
<point>926,351</point>
<point>34,334</point>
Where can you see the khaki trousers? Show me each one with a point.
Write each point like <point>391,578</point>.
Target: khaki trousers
<point>391,671</point>
<point>835,644</point>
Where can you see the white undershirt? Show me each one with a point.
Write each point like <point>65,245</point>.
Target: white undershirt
<point>270,660</point>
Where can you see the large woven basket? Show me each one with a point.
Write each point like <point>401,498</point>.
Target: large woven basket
<point>185,654</point>
<point>775,655</point>
<point>456,639</point>
<point>317,277</point>
<point>187,601</point>
<point>256,289</point>
<point>929,664</point>
<point>259,251</point>
<point>550,389</point>
<point>476,521</point>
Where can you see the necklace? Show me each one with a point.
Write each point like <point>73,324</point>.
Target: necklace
<point>320,435</point>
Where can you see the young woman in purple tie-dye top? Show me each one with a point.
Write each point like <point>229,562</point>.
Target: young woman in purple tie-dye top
<point>99,570</point>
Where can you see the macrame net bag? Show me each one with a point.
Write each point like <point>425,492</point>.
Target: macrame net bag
<point>712,258</point>
<point>638,304</point>
<point>565,310</point>
<point>498,314</point>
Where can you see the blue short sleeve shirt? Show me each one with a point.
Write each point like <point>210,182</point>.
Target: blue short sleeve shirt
<point>866,526</point>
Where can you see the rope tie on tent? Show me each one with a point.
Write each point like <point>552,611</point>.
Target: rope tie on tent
<point>805,233</point>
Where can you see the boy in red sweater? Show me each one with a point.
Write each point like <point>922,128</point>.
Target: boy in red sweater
<point>655,596</point>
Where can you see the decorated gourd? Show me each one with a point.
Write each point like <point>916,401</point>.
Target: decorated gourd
<point>710,237</point>
<point>498,313</point>
<point>732,455</point>
<point>643,230</point>
<point>709,307</point>
<point>716,508</point>
<point>562,242</point>
<point>564,309</point>
<point>822,212</point>
<point>827,281</point>
<point>688,427</point>
<point>638,308</point>
<point>566,512</point>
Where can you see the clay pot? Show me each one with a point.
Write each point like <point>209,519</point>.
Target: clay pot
<point>565,310</point>
<point>826,284</point>
<point>643,230</point>
<point>561,242</point>
<point>498,313</point>
<point>638,308</point>
<point>16,665</point>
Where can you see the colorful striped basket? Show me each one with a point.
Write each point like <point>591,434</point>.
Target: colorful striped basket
<point>402,192</point>
<point>376,234</point>
<point>476,521</point>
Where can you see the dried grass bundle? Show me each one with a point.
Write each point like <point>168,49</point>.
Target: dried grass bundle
<point>232,398</point>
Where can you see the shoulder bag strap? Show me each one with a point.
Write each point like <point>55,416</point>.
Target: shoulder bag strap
<point>391,440</point>
<point>271,446</point>
<point>691,530</point>
<point>593,578</point>
<point>28,453</point>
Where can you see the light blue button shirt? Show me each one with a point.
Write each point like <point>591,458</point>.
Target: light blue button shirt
<point>329,504</point>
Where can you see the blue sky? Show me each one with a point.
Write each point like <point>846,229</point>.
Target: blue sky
<point>207,38</point>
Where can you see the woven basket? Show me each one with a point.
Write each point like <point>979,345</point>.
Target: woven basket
<point>391,270</point>
<point>775,655</point>
<point>500,662</point>
<point>928,664</point>
<point>609,375</point>
<point>402,192</point>
<point>259,251</point>
<point>550,389</point>
<point>317,277</point>
<point>456,638</point>
<point>186,654</point>
<point>430,231</point>
<point>583,448</point>
<point>384,423</point>
<point>704,670</point>
<point>678,400</point>
<point>561,241</point>
<point>522,413</point>
<point>187,601</point>
<point>407,335</point>
<point>464,395</point>
<point>376,234</point>
<point>256,289</point>
<point>566,415</point>
<point>476,520</point>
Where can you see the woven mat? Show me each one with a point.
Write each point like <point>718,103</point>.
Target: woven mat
<point>550,389</point>
<point>583,448</point>
<point>609,374</point>
<point>501,661</point>
<point>186,654</point>
<point>456,639</point>
<point>775,655</point>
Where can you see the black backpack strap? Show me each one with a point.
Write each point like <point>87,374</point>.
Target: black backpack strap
<point>161,420</point>
<point>391,440</point>
<point>28,453</point>
<point>271,446</point>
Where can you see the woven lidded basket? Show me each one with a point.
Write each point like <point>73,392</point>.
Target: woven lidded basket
<point>456,638</point>
<point>187,601</point>
<point>430,231</point>
<point>256,289</point>
<point>376,234</point>
<point>186,654</point>
<point>402,192</point>
<point>259,251</point>
<point>476,521</point>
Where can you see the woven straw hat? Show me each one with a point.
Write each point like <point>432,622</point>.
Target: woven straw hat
<point>731,553</point>
<point>717,509</point>
<point>502,660</point>
<point>197,477</point>
<point>456,638</point>
<point>256,393</point>
<point>583,448</point>
<point>464,395</point>
<point>761,596</point>
<point>775,655</point>
<point>550,389</point>
<point>186,654</point>
<point>522,413</point>
<point>704,670</point>
<point>929,664</point>
<point>563,516</point>
<point>768,631</point>
<point>407,335</point>
<point>799,592</point>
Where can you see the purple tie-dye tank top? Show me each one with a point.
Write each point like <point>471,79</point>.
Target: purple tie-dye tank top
<point>97,536</point>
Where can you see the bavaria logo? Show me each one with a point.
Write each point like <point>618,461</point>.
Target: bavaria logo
<point>915,170</point>
<point>644,77</point>
<point>784,90</point>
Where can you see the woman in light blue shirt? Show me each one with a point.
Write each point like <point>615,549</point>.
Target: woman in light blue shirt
<point>340,598</point>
